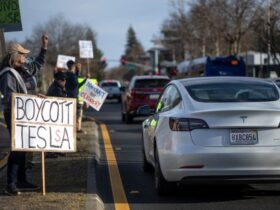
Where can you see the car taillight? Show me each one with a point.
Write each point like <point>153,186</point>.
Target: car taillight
<point>132,93</point>
<point>186,124</point>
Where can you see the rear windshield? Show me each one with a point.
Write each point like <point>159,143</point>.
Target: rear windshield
<point>111,84</point>
<point>233,92</point>
<point>150,83</point>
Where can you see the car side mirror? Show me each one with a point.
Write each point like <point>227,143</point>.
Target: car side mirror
<point>145,110</point>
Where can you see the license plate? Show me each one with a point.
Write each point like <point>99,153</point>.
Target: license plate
<point>154,96</point>
<point>243,136</point>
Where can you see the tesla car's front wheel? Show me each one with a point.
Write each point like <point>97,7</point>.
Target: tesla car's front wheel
<point>147,167</point>
<point>163,187</point>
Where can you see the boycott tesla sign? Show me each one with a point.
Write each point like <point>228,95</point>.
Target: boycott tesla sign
<point>43,124</point>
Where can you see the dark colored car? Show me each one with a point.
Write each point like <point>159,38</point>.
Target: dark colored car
<point>142,90</point>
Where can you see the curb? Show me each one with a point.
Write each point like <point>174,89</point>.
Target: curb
<point>93,200</point>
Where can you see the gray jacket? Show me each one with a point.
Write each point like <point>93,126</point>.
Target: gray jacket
<point>10,83</point>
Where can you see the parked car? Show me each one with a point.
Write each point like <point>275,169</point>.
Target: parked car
<point>213,130</point>
<point>141,90</point>
<point>112,87</point>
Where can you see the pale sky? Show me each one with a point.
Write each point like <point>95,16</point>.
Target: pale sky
<point>110,19</point>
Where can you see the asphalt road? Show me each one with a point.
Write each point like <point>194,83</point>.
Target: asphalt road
<point>138,186</point>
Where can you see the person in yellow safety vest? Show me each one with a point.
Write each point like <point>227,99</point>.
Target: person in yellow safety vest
<point>80,101</point>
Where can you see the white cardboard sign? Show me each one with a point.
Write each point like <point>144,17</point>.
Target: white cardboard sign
<point>93,95</point>
<point>43,124</point>
<point>86,49</point>
<point>62,60</point>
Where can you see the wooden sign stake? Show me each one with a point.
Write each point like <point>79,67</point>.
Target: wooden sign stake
<point>43,173</point>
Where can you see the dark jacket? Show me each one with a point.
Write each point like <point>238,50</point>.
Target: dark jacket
<point>30,70</point>
<point>72,84</point>
<point>56,90</point>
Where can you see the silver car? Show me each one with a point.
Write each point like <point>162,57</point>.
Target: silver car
<point>224,129</point>
<point>112,87</point>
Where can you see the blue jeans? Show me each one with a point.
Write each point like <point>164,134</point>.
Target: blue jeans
<point>16,161</point>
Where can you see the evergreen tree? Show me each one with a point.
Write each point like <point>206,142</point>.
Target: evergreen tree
<point>134,49</point>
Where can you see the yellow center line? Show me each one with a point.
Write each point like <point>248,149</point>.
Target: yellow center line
<point>119,196</point>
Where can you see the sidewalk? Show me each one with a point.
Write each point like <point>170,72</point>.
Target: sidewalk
<point>70,179</point>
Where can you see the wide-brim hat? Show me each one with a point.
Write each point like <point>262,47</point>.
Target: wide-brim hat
<point>15,47</point>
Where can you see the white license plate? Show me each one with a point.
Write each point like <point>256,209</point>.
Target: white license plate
<point>154,96</point>
<point>243,136</point>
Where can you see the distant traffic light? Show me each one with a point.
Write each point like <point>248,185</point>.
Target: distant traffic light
<point>103,61</point>
<point>123,60</point>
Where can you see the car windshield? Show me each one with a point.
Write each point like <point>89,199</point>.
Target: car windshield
<point>111,84</point>
<point>150,83</point>
<point>233,92</point>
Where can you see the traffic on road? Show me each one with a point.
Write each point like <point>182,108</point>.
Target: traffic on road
<point>140,105</point>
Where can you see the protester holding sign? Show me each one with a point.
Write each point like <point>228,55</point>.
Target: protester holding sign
<point>73,84</point>
<point>13,66</point>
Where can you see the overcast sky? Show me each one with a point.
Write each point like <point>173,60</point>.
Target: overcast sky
<point>110,19</point>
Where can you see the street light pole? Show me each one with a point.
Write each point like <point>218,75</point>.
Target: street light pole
<point>158,46</point>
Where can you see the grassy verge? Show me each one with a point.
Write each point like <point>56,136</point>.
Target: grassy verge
<point>66,181</point>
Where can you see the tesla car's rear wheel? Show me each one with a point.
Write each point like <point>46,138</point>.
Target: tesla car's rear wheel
<point>163,187</point>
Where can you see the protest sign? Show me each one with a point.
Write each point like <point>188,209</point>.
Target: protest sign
<point>62,60</point>
<point>86,50</point>
<point>43,124</point>
<point>93,95</point>
<point>10,18</point>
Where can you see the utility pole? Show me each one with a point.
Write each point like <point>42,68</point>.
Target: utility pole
<point>2,44</point>
<point>268,34</point>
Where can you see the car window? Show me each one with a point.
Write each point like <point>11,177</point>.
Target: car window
<point>169,99</point>
<point>233,92</point>
<point>150,83</point>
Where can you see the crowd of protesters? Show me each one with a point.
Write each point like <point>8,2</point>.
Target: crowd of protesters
<point>18,75</point>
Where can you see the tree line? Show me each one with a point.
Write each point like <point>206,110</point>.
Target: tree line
<point>220,27</point>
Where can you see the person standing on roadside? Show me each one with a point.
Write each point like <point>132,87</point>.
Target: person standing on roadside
<point>73,84</point>
<point>13,67</point>
<point>57,88</point>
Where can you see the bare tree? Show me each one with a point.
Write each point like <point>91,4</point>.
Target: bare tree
<point>64,39</point>
<point>211,27</point>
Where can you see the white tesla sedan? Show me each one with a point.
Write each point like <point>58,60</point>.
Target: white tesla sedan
<point>214,129</point>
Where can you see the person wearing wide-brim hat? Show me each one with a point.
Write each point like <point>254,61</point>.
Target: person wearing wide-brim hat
<point>13,67</point>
